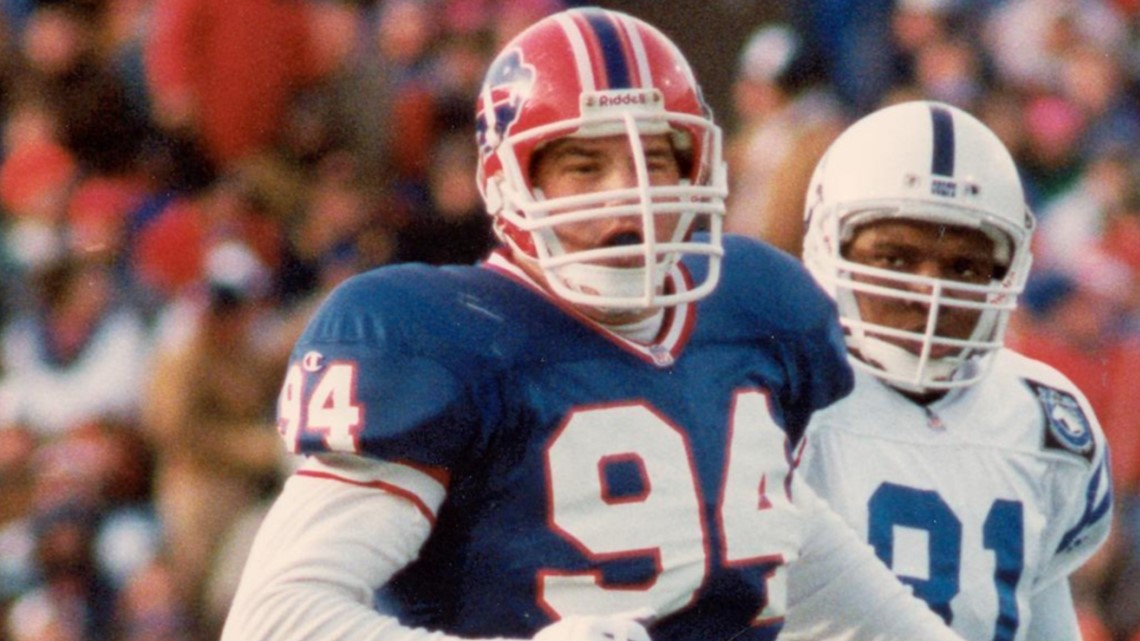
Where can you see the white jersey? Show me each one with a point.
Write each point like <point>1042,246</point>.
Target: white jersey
<point>980,500</point>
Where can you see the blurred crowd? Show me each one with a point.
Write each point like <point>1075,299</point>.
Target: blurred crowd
<point>182,180</point>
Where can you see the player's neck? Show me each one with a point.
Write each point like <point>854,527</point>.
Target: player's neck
<point>631,324</point>
<point>642,331</point>
<point>924,399</point>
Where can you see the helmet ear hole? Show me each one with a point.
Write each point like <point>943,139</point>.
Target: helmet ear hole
<point>686,162</point>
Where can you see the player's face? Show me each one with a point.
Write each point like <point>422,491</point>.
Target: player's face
<point>575,166</point>
<point>932,250</point>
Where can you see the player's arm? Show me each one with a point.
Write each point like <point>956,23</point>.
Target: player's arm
<point>1078,528</point>
<point>839,590</point>
<point>347,521</point>
<point>1078,487</point>
<point>1075,533</point>
<point>330,540</point>
<point>1053,618</point>
<point>324,547</point>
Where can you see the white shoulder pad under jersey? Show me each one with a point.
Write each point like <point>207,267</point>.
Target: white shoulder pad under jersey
<point>977,501</point>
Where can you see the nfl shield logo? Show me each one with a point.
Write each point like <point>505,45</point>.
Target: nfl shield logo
<point>1067,427</point>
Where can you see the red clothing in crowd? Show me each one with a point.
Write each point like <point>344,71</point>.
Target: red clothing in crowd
<point>227,69</point>
<point>1109,375</point>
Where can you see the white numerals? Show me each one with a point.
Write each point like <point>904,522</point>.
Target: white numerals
<point>662,522</point>
<point>625,490</point>
<point>331,409</point>
<point>665,520</point>
<point>289,412</point>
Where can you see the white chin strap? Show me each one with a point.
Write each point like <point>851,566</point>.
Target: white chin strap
<point>903,369</point>
<point>610,282</point>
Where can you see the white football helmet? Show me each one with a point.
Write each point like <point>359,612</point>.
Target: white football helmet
<point>592,72</point>
<point>929,162</point>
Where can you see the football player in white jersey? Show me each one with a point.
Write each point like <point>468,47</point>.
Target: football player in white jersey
<point>978,476</point>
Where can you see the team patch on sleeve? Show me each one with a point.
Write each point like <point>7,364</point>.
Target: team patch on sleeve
<point>1067,427</point>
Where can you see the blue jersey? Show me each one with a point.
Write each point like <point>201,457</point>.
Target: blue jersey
<point>579,472</point>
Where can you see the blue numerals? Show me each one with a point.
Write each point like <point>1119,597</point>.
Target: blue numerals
<point>1002,533</point>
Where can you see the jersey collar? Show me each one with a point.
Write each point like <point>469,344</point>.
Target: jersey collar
<point>676,328</point>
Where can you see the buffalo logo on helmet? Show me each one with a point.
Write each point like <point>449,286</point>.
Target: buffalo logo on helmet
<point>507,87</point>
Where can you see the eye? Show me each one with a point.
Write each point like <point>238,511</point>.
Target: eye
<point>892,260</point>
<point>972,271</point>
<point>579,165</point>
<point>881,255</point>
<point>661,163</point>
<point>896,262</point>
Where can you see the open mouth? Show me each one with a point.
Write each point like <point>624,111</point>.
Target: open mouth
<point>624,239</point>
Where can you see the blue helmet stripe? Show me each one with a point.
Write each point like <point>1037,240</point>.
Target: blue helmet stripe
<point>942,160</point>
<point>617,67</point>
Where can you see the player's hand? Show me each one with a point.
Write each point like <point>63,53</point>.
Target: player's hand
<point>626,626</point>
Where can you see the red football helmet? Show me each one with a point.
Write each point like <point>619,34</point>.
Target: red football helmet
<point>590,73</point>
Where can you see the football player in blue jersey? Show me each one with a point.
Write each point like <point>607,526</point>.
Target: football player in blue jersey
<point>561,443</point>
<point>978,475</point>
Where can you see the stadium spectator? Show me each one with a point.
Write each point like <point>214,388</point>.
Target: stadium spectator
<point>223,72</point>
<point>76,356</point>
<point>786,118</point>
<point>207,410</point>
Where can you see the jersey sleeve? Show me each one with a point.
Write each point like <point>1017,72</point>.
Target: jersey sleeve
<point>377,373</point>
<point>1081,489</point>
<point>825,374</point>
<point>319,555</point>
<point>1084,526</point>
<point>1084,514</point>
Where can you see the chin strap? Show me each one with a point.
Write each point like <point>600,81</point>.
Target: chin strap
<point>609,282</point>
<point>902,369</point>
